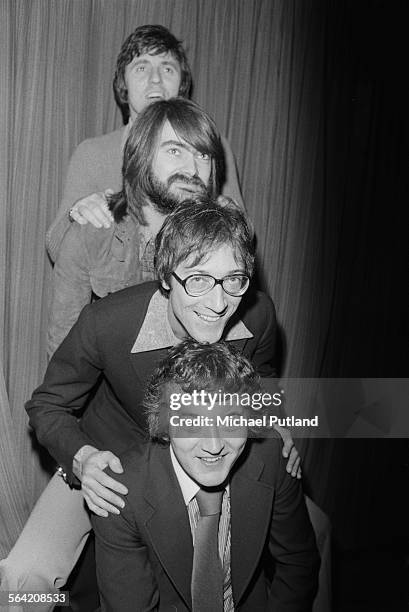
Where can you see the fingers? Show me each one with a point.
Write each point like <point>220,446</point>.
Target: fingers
<point>106,481</point>
<point>93,209</point>
<point>115,465</point>
<point>102,497</point>
<point>288,446</point>
<point>93,471</point>
<point>76,216</point>
<point>294,460</point>
<point>294,464</point>
<point>100,507</point>
<point>98,488</point>
<point>286,438</point>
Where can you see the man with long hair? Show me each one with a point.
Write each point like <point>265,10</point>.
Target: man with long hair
<point>172,153</point>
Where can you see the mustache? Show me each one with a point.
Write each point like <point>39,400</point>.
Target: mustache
<point>188,180</point>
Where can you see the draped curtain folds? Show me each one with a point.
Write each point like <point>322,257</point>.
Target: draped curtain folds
<point>258,69</point>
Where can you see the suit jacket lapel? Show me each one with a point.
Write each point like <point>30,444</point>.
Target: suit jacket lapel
<point>239,344</point>
<point>167,522</point>
<point>145,363</point>
<point>251,507</point>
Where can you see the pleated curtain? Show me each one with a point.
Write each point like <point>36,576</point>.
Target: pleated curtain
<point>262,69</point>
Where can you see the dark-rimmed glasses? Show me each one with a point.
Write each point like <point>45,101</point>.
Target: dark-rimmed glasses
<point>196,285</point>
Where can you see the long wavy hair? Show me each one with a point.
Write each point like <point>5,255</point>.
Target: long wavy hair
<point>191,124</point>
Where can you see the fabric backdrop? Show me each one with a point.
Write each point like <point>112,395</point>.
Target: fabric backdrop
<point>275,75</point>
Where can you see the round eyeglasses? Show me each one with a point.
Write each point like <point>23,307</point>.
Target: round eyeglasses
<point>199,284</point>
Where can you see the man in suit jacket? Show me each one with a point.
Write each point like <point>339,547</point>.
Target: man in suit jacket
<point>117,342</point>
<point>204,260</point>
<point>148,557</point>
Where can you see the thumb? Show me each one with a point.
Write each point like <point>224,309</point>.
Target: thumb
<point>115,464</point>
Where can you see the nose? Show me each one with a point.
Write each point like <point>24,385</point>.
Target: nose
<point>213,444</point>
<point>155,75</point>
<point>190,164</point>
<point>216,299</point>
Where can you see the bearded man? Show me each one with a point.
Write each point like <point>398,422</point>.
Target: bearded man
<point>173,152</point>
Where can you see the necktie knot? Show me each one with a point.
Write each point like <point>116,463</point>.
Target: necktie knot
<point>209,502</point>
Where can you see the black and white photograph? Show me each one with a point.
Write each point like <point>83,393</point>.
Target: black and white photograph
<point>204,387</point>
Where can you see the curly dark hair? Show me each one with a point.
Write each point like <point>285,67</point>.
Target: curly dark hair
<point>192,365</point>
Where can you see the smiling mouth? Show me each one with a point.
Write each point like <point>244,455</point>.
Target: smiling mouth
<point>209,318</point>
<point>211,460</point>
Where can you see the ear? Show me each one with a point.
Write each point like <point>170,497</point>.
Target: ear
<point>165,285</point>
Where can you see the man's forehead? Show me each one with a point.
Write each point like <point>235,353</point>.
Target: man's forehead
<point>163,57</point>
<point>198,260</point>
<point>168,134</point>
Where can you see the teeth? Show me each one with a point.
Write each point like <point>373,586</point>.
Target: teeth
<point>208,317</point>
<point>211,459</point>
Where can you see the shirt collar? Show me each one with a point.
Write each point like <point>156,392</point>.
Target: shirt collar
<point>188,486</point>
<point>156,333</point>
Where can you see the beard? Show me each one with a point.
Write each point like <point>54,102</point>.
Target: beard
<point>165,200</point>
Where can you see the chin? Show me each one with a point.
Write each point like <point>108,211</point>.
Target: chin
<point>208,335</point>
<point>211,480</point>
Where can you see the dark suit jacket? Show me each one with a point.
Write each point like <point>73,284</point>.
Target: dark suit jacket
<point>144,555</point>
<point>98,350</point>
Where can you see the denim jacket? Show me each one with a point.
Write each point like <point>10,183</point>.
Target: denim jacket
<point>93,263</point>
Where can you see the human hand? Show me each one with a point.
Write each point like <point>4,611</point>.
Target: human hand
<point>227,202</point>
<point>93,209</point>
<point>97,487</point>
<point>289,450</point>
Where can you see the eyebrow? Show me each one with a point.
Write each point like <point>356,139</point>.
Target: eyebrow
<point>167,62</point>
<point>230,273</point>
<point>172,63</point>
<point>177,143</point>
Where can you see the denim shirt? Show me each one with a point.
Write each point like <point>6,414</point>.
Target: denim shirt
<point>91,264</point>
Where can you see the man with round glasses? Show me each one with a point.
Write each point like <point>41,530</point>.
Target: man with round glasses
<point>117,342</point>
<point>199,284</point>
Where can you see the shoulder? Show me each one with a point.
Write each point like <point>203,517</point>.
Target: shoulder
<point>256,310</point>
<point>140,463</point>
<point>263,459</point>
<point>88,233</point>
<point>86,242</point>
<point>105,141</point>
<point>131,295</point>
<point>227,150</point>
<point>107,144</point>
<point>225,143</point>
<point>127,306</point>
<point>135,461</point>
